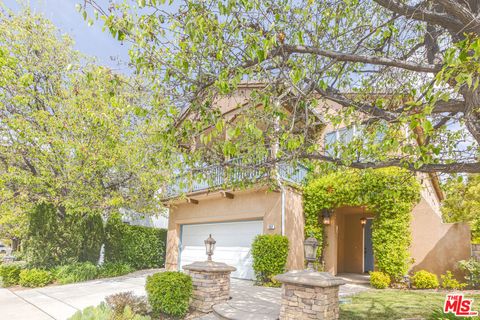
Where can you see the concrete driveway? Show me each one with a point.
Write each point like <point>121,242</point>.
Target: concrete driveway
<point>61,302</point>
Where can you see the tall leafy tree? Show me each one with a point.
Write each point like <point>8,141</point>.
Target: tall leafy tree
<point>462,202</point>
<point>72,134</point>
<point>405,72</point>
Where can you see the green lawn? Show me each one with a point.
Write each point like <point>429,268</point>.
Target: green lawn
<point>396,304</point>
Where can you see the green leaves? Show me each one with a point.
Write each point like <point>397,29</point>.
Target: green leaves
<point>389,193</point>
<point>75,132</point>
<point>269,252</point>
<point>169,293</point>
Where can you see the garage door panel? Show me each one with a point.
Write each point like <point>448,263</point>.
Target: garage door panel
<point>234,240</point>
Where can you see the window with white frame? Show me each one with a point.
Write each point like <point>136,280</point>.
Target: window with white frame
<point>345,135</point>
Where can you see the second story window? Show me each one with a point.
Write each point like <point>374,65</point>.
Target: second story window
<point>342,136</point>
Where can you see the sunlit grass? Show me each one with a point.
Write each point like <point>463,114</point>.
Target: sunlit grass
<point>396,304</point>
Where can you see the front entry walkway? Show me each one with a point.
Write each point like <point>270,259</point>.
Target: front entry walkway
<point>251,302</point>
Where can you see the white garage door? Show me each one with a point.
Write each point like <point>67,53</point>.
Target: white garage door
<point>234,240</point>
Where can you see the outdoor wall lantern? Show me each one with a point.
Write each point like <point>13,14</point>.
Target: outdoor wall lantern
<point>210,247</point>
<point>363,221</point>
<point>310,245</point>
<point>326,213</point>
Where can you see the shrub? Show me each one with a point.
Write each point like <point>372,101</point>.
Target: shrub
<point>137,246</point>
<point>119,301</point>
<point>35,278</point>
<point>471,268</point>
<point>424,280</point>
<point>169,293</point>
<point>379,280</point>
<point>54,237</point>
<point>10,273</point>
<point>269,253</point>
<point>449,282</point>
<point>113,269</point>
<point>76,272</point>
<point>103,312</point>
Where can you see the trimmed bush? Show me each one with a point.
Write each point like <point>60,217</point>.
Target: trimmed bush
<point>35,278</point>
<point>449,282</point>
<point>139,247</point>
<point>425,280</point>
<point>81,271</point>
<point>10,273</point>
<point>119,301</point>
<point>169,293</point>
<point>379,280</point>
<point>103,312</point>
<point>270,252</point>
<point>471,268</point>
<point>113,269</point>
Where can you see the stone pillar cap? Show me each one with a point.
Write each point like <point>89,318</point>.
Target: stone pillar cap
<point>309,278</point>
<point>209,266</point>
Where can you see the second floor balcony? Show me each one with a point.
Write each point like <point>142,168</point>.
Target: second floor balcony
<point>234,173</point>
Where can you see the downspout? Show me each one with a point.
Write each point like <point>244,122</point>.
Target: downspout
<point>276,147</point>
<point>282,188</point>
<point>283,210</point>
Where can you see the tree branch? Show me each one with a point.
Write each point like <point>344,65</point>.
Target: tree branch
<point>416,13</point>
<point>469,167</point>
<point>339,56</point>
<point>449,106</point>
<point>470,21</point>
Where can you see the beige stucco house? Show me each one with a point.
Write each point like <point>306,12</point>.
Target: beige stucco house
<point>235,217</point>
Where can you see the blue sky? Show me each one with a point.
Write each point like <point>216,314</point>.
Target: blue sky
<point>90,40</point>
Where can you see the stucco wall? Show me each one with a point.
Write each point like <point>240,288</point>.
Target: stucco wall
<point>437,246</point>
<point>246,205</point>
<point>255,204</point>
<point>294,228</point>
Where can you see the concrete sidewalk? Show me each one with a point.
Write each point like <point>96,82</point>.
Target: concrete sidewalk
<point>61,302</point>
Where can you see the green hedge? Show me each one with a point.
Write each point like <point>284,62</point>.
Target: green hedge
<point>169,293</point>
<point>139,247</point>
<point>55,237</point>
<point>270,252</point>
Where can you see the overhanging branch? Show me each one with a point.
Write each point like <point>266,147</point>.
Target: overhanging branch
<point>421,14</point>
<point>340,56</point>
<point>456,167</point>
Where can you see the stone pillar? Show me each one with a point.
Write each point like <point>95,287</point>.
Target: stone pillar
<point>309,295</point>
<point>211,283</point>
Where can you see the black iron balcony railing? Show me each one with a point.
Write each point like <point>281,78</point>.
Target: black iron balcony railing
<point>215,177</point>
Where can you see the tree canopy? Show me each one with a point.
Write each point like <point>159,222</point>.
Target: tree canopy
<point>462,202</point>
<point>73,134</point>
<point>404,72</point>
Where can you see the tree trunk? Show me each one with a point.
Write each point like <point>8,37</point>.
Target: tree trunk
<point>472,113</point>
